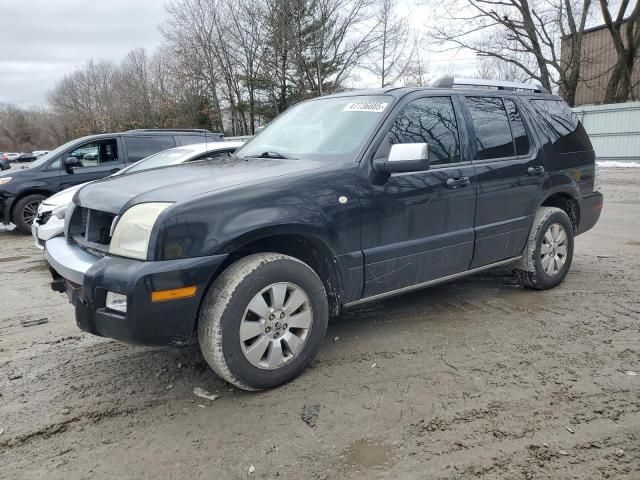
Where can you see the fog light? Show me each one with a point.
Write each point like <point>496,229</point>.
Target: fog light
<point>117,302</point>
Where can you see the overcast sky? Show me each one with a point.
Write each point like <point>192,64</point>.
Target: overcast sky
<point>42,40</point>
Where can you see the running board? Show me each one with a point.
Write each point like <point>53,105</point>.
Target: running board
<point>430,283</point>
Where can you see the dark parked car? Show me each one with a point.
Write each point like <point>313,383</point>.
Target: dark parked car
<point>5,164</point>
<point>341,200</point>
<point>25,157</point>
<point>82,160</point>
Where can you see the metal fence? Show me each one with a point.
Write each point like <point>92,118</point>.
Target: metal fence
<point>614,130</point>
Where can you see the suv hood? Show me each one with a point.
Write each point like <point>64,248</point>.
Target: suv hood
<point>180,182</point>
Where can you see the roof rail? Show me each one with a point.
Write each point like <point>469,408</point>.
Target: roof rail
<point>452,82</point>
<point>190,130</point>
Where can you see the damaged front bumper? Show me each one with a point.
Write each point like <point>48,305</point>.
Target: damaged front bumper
<point>87,278</point>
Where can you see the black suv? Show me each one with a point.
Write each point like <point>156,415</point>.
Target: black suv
<point>82,160</point>
<point>341,200</point>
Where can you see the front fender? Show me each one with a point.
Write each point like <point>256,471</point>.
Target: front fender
<point>200,235</point>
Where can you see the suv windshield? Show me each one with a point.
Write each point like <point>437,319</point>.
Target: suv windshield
<point>326,128</point>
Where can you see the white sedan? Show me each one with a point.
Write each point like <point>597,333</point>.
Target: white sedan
<point>49,221</point>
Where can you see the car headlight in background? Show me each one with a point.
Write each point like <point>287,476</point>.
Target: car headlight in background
<point>4,180</point>
<point>133,230</point>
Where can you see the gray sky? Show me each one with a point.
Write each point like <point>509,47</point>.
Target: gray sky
<point>42,40</point>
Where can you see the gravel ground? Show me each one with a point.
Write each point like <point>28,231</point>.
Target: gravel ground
<point>473,379</point>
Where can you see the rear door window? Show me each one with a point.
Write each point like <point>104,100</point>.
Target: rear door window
<point>518,129</point>
<point>562,126</point>
<point>491,125</point>
<point>141,147</point>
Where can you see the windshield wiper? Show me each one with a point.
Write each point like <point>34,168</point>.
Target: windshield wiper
<point>271,155</point>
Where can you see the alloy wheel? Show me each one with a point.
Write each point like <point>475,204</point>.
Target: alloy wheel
<point>275,325</point>
<point>553,251</point>
<point>29,212</point>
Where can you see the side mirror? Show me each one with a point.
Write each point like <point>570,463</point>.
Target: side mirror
<point>70,163</point>
<point>404,157</point>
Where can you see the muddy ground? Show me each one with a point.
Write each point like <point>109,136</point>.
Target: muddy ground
<point>473,379</point>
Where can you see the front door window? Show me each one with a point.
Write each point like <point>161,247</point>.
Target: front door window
<point>95,154</point>
<point>429,120</point>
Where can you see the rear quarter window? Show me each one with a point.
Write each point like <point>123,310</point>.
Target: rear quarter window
<point>562,126</point>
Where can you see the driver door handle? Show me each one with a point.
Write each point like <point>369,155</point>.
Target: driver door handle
<point>458,182</point>
<point>535,171</point>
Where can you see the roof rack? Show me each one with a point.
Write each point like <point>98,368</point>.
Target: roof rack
<point>190,130</point>
<point>452,82</point>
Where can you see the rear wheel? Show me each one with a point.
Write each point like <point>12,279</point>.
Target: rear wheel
<point>549,251</point>
<point>26,210</point>
<point>263,321</point>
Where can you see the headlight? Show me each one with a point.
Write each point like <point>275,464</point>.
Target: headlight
<point>131,235</point>
<point>4,180</point>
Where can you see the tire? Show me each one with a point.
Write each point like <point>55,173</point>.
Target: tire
<point>545,262</point>
<point>226,310</point>
<point>24,210</point>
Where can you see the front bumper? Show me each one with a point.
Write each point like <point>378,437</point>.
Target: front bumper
<point>590,209</point>
<point>41,232</point>
<point>88,278</point>
<point>6,201</point>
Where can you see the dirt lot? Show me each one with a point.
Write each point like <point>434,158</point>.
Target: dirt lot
<point>474,379</point>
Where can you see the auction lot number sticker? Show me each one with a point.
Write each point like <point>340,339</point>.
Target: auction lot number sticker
<point>375,107</point>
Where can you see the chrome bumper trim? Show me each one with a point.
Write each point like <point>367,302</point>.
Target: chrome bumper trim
<point>68,260</point>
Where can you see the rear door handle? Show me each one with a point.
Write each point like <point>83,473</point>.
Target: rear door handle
<point>533,171</point>
<point>458,182</point>
<point>114,170</point>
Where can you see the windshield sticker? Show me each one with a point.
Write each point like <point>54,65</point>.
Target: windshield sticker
<point>375,107</point>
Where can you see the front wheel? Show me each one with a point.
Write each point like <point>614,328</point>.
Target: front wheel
<point>26,210</point>
<point>263,321</point>
<point>549,251</point>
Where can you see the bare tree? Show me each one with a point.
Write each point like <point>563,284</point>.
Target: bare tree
<point>417,71</point>
<point>28,129</point>
<point>134,88</point>
<point>87,98</point>
<point>525,33</point>
<point>625,34</point>
<point>391,58</point>
<point>190,32</point>
<point>497,69</point>
<point>330,39</point>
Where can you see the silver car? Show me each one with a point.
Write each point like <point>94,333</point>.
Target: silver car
<point>49,221</point>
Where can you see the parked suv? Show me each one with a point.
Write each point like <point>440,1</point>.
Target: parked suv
<point>79,161</point>
<point>341,200</point>
<point>49,222</point>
